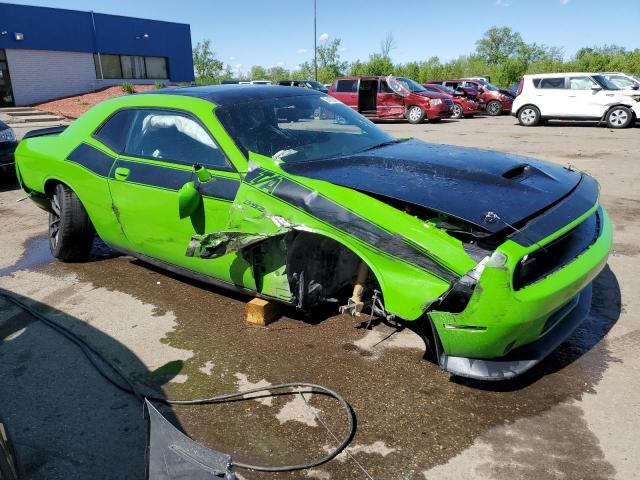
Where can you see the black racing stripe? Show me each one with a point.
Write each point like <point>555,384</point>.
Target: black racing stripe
<point>578,202</point>
<point>173,179</point>
<point>155,175</point>
<point>334,214</point>
<point>219,187</point>
<point>92,159</point>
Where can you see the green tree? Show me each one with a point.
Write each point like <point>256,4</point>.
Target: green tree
<point>277,73</point>
<point>206,66</point>
<point>258,72</point>
<point>330,65</point>
<point>498,44</point>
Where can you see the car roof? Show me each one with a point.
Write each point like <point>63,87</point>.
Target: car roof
<point>232,94</point>
<point>559,74</point>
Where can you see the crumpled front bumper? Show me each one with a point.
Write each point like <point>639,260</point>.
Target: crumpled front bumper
<point>504,331</point>
<point>524,358</point>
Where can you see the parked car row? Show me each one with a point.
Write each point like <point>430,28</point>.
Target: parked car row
<point>612,98</point>
<point>381,98</point>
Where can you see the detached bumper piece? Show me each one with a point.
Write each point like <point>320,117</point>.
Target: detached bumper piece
<point>559,327</point>
<point>173,456</point>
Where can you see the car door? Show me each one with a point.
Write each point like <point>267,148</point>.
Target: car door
<point>551,96</point>
<point>346,90</point>
<point>584,101</point>
<point>390,103</point>
<point>155,161</point>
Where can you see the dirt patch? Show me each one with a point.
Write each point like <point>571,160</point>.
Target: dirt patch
<point>74,107</point>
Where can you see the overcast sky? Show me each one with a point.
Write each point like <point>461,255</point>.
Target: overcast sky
<point>280,32</point>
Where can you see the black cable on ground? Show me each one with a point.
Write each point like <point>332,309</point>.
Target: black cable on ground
<point>130,387</point>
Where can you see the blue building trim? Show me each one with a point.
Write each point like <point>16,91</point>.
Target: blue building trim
<point>45,28</point>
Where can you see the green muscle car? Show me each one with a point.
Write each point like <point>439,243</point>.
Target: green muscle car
<point>288,194</point>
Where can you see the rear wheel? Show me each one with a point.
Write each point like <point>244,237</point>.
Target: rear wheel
<point>529,116</point>
<point>70,230</point>
<point>619,117</point>
<point>494,108</point>
<point>415,114</point>
<point>457,111</point>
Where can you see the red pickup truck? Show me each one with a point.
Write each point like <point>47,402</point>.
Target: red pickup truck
<point>382,98</point>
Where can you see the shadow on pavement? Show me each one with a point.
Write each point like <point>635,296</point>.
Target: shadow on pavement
<point>67,421</point>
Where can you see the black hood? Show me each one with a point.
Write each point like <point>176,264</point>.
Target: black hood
<point>466,183</point>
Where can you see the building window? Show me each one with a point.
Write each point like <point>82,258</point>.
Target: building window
<point>130,67</point>
<point>156,67</point>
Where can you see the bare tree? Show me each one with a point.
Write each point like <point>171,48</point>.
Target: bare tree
<point>388,44</point>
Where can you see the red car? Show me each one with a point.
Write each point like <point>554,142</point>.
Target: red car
<point>493,100</point>
<point>464,104</point>
<point>382,98</point>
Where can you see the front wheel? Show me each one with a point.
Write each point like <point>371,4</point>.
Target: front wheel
<point>415,114</point>
<point>70,230</point>
<point>529,116</point>
<point>494,108</point>
<point>457,111</point>
<point>619,117</point>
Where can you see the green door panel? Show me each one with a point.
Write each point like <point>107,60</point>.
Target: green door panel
<point>147,205</point>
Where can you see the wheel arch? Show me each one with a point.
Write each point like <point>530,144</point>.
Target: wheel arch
<point>325,239</point>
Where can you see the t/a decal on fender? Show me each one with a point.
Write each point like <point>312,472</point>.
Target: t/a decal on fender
<point>264,180</point>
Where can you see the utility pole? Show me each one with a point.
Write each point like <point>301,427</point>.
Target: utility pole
<point>315,43</point>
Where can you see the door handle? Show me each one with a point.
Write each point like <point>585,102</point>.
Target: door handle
<point>122,173</point>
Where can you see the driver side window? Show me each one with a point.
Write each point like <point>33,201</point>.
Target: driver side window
<point>174,137</point>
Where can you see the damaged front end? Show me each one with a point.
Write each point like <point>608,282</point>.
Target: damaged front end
<point>522,302</point>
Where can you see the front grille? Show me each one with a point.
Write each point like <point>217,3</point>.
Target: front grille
<point>560,252</point>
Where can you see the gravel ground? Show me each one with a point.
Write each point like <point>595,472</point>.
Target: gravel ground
<point>577,416</point>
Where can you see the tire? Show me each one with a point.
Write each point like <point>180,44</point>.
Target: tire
<point>529,116</point>
<point>494,108</point>
<point>71,232</point>
<point>619,117</point>
<point>458,113</point>
<point>415,114</point>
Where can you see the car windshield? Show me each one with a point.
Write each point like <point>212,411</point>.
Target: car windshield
<point>411,85</point>
<point>448,89</point>
<point>490,86</point>
<point>300,128</point>
<point>605,83</point>
<point>316,86</point>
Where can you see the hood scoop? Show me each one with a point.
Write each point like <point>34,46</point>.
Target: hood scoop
<point>465,183</point>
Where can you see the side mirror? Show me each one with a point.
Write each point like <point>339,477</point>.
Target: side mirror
<point>596,88</point>
<point>189,199</point>
<point>634,86</point>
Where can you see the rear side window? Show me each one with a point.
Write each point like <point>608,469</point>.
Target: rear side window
<point>549,82</point>
<point>115,131</point>
<point>173,137</point>
<point>350,86</point>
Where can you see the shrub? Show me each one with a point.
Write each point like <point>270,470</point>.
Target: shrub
<point>127,88</point>
<point>159,85</point>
